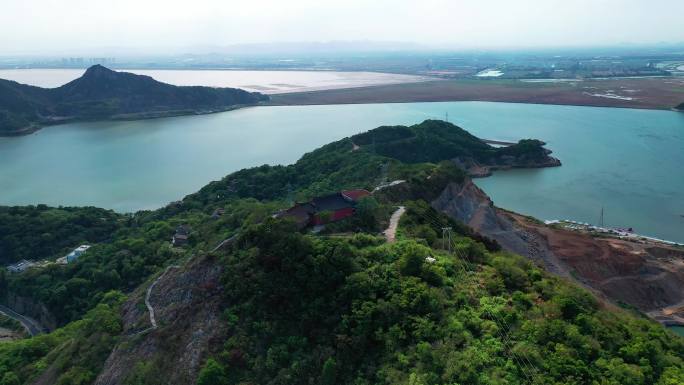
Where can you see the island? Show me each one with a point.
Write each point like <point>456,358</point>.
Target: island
<point>102,93</point>
<point>680,107</point>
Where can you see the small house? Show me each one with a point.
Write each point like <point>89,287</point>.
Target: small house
<point>218,213</point>
<point>180,238</point>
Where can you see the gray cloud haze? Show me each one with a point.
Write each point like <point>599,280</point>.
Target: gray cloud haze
<point>63,26</point>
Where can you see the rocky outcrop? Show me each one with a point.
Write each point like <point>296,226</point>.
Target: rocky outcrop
<point>469,204</point>
<point>187,307</point>
<point>32,309</point>
<point>506,162</point>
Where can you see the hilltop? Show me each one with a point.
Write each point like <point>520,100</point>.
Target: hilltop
<point>105,94</point>
<point>436,140</point>
<point>252,300</point>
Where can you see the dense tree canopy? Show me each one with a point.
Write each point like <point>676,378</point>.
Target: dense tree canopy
<point>359,311</point>
<point>34,232</point>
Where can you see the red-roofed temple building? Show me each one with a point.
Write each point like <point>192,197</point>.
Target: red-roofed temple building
<point>326,209</point>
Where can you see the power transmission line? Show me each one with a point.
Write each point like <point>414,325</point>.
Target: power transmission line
<point>502,324</point>
<point>522,362</point>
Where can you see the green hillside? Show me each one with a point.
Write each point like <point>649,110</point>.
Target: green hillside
<point>34,232</point>
<point>340,308</point>
<point>360,311</point>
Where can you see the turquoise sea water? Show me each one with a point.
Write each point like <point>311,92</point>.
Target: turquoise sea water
<point>677,329</point>
<point>631,162</point>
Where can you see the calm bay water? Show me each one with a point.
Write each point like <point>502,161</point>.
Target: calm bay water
<point>627,161</point>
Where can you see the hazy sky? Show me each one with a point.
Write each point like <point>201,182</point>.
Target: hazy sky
<point>64,26</point>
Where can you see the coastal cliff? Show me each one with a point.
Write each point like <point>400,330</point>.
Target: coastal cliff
<point>467,203</point>
<point>647,277</point>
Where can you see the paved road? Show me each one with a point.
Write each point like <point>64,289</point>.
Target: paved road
<point>32,326</point>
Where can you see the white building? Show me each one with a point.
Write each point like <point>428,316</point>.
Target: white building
<point>20,266</point>
<point>77,252</point>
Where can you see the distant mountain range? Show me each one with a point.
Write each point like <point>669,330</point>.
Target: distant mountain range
<point>105,94</point>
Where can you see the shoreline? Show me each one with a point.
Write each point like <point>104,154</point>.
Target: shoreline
<point>465,101</point>
<point>33,129</point>
<point>608,232</point>
<point>656,94</point>
<point>121,118</point>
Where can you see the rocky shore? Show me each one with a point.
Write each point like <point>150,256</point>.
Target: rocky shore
<point>479,170</point>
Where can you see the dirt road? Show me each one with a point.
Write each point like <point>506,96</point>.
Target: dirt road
<point>391,232</point>
<point>32,326</point>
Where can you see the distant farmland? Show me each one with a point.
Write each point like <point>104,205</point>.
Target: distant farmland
<point>648,93</point>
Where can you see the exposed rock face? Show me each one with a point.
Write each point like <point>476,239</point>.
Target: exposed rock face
<point>29,308</point>
<point>187,303</point>
<point>648,277</point>
<point>469,204</point>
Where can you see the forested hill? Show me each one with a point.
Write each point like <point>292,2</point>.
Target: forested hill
<point>436,140</point>
<point>680,107</point>
<point>277,305</point>
<point>102,94</point>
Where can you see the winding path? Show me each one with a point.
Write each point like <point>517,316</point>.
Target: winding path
<point>32,326</point>
<point>153,321</point>
<point>224,242</point>
<point>391,232</point>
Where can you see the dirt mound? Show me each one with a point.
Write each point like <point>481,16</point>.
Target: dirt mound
<point>647,277</point>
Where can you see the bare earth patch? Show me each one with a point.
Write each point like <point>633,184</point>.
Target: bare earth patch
<point>648,93</point>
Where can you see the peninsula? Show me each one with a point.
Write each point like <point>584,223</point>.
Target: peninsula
<point>339,303</point>
<point>102,93</point>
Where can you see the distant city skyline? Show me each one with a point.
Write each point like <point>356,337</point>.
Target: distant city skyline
<point>96,27</point>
